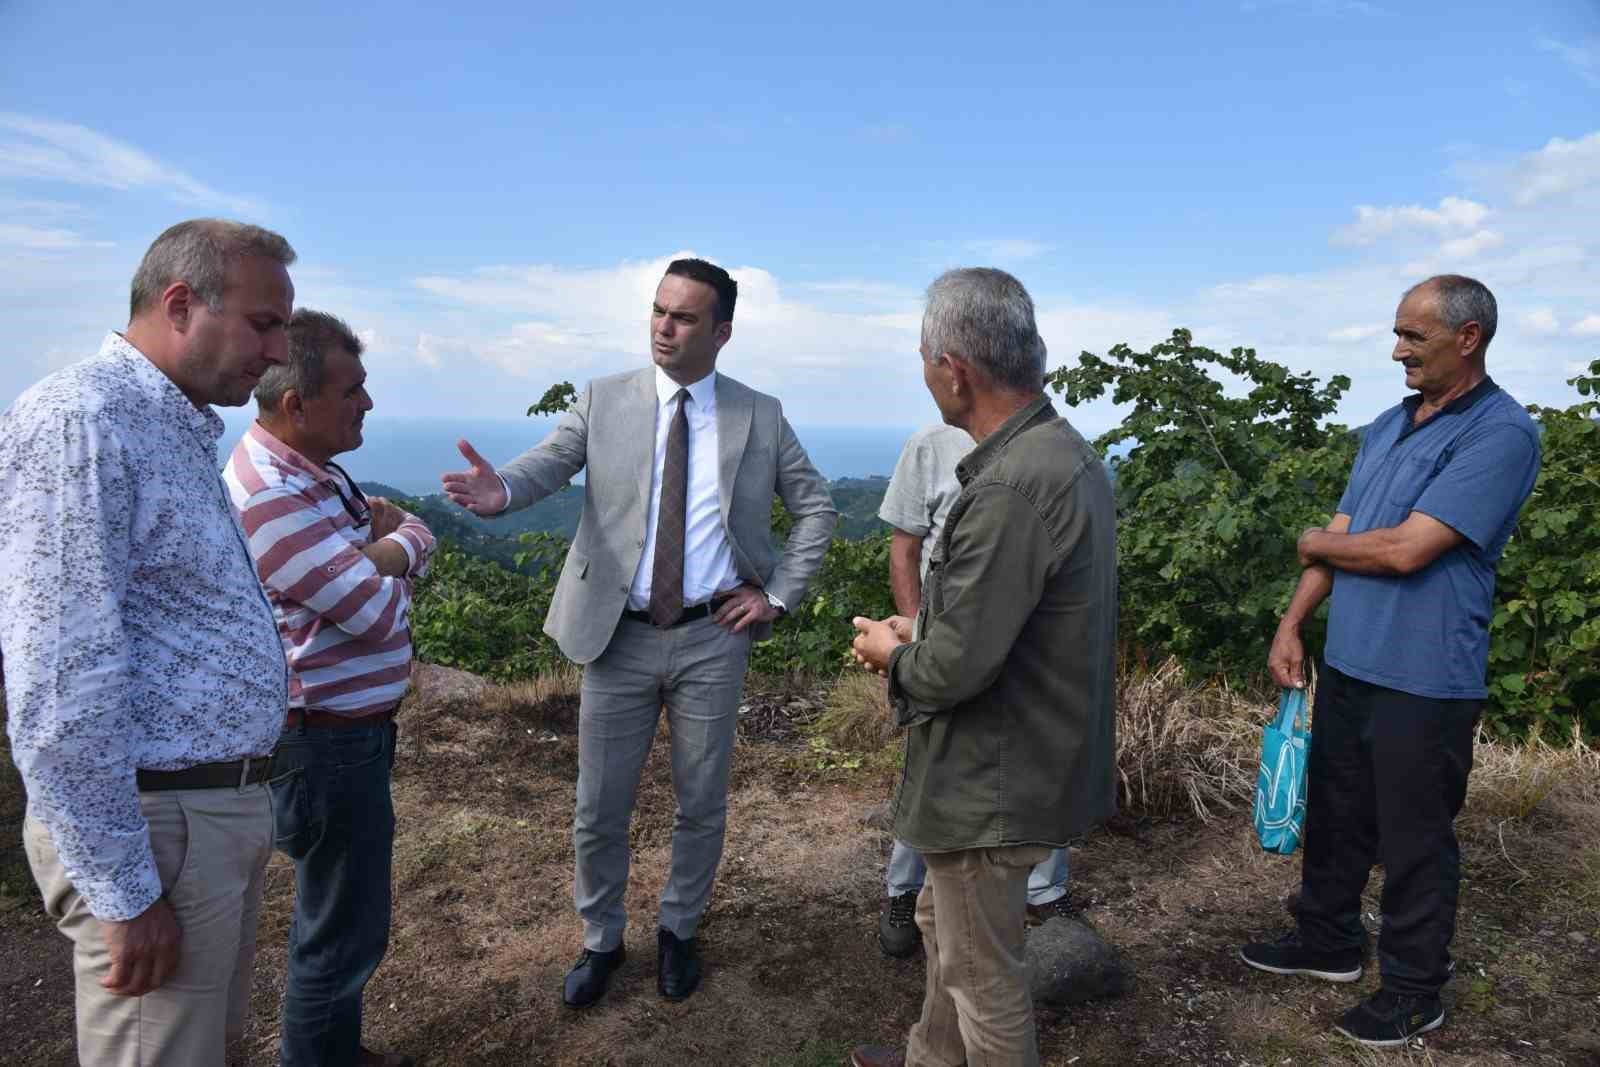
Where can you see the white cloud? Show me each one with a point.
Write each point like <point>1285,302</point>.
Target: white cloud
<point>44,239</point>
<point>428,350</point>
<point>66,152</point>
<point>1350,335</point>
<point>1541,320</point>
<point>842,350</point>
<point>553,319</point>
<point>1471,247</point>
<point>1582,56</point>
<point>1559,168</point>
<point>1453,213</point>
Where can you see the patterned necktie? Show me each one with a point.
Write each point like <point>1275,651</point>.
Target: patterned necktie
<point>666,576</point>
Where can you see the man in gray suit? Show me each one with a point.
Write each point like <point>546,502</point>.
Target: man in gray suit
<point>671,577</point>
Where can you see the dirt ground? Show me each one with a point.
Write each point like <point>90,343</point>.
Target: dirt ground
<point>484,927</point>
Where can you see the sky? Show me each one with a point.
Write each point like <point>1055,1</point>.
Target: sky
<point>489,197</point>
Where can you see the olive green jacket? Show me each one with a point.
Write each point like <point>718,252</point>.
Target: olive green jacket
<point>1008,695</point>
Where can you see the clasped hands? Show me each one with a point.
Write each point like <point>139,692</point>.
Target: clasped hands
<point>877,639</point>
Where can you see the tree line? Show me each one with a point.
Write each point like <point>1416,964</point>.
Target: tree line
<point>1213,486</point>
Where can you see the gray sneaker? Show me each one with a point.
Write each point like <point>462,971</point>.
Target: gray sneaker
<point>898,935</point>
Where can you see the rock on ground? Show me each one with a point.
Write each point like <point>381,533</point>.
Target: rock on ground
<point>1068,963</point>
<point>440,685</point>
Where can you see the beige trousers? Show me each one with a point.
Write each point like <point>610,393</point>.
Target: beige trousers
<point>971,911</point>
<point>211,848</point>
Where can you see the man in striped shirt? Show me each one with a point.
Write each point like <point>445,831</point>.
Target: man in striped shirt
<point>338,569</point>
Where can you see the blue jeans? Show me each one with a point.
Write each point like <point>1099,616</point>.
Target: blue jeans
<point>1046,882</point>
<point>335,819</point>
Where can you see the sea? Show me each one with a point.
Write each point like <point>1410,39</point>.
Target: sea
<point>410,453</point>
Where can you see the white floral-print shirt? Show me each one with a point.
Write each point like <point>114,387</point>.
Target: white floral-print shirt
<point>134,631</point>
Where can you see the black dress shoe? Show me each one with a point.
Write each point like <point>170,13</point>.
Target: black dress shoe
<point>677,965</point>
<point>586,982</point>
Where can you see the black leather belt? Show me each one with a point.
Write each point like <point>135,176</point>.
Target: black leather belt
<point>235,774</point>
<point>690,613</point>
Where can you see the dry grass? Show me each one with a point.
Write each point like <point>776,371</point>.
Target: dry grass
<point>856,716</point>
<point>1185,747</point>
<point>513,696</point>
<point>484,927</point>
<point>1511,781</point>
<point>1181,747</point>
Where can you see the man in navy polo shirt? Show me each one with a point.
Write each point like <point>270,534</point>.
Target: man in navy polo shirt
<point>1409,560</point>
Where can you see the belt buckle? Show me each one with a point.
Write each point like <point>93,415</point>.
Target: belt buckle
<point>244,772</point>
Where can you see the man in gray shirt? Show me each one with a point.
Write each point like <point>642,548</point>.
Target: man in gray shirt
<point>920,493</point>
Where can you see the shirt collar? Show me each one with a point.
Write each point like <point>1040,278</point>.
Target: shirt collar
<point>286,455</point>
<point>205,422</point>
<point>702,392</point>
<point>991,446</point>
<point>1461,403</point>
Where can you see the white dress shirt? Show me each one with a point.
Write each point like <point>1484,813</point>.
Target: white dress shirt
<point>135,632</point>
<point>707,556</point>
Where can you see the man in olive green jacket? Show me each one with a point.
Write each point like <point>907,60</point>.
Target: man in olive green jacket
<point>1007,691</point>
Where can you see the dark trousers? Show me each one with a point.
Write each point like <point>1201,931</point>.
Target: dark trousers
<point>335,819</point>
<point>1386,777</point>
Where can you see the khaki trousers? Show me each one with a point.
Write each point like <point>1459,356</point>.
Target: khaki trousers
<point>971,911</point>
<point>211,848</point>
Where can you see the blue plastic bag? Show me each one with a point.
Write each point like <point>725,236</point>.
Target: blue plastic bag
<point>1281,782</point>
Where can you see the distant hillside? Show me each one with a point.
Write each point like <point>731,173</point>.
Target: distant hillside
<point>497,538</point>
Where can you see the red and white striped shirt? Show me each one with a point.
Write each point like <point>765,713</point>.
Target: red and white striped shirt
<point>345,627</point>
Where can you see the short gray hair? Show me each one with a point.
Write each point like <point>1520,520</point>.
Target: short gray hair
<point>1463,300</point>
<point>197,252</point>
<point>312,335</point>
<point>986,316</point>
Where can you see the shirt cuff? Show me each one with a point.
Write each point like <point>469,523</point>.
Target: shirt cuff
<point>405,543</point>
<point>121,892</point>
<point>775,601</point>
<point>507,487</point>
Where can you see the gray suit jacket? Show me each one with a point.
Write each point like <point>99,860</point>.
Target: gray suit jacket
<point>611,432</point>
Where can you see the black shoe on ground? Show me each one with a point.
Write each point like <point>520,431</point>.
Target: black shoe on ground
<point>1062,907</point>
<point>586,982</point>
<point>898,935</point>
<point>677,965</point>
<point>1289,955</point>
<point>1389,1020</point>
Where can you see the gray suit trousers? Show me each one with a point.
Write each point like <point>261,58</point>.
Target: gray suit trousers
<point>697,671</point>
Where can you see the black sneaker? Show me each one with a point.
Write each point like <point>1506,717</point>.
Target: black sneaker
<point>898,935</point>
<point>1389,1020</point>
<point>1289,955</point>
<point>1063,907</point>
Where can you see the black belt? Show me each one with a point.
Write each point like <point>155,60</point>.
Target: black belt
<point>235,774</point>
<point>690,613</point>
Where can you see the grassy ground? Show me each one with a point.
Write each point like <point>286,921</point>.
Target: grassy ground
<point>484,928</point>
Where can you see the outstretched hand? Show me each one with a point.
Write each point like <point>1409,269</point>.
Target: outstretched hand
<point>479,490</point>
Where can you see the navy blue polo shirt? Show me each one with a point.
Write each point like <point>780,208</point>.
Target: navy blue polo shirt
<point>1470,466</point>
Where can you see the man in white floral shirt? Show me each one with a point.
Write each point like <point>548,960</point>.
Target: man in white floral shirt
<point>145,682</point>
